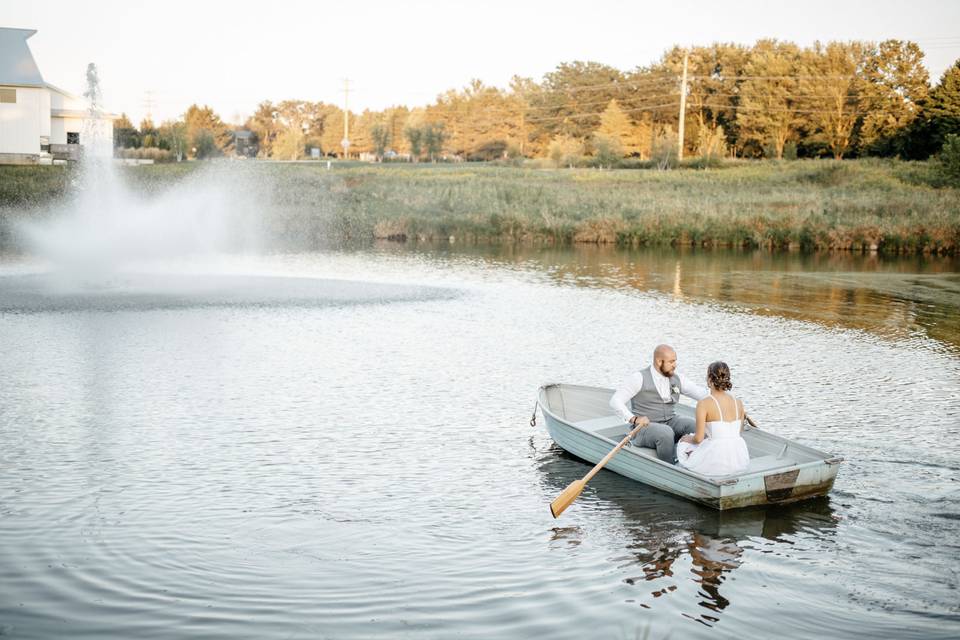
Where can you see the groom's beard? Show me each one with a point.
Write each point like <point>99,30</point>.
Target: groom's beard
<point>666,374</point>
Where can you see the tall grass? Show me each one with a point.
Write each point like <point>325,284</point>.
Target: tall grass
<point>887,206</point>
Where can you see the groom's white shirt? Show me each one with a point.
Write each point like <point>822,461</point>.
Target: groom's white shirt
<point>620,401</point>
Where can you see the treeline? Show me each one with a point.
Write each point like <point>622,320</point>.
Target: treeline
<point>773,99</point>
<point>199,133</point>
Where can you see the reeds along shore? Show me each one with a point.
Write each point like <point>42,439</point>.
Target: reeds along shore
<point>860,205</point>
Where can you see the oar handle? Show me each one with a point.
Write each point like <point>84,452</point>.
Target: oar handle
<point>750,421</point>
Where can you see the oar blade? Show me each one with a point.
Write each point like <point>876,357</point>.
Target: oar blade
<point>566,498</point>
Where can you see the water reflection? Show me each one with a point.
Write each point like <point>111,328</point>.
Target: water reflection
<point>661,544</point>
<point>892,297</point>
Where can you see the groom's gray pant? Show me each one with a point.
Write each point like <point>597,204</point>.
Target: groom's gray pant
<point>663,436</point>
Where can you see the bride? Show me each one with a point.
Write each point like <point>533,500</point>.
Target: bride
<point>716,448</point>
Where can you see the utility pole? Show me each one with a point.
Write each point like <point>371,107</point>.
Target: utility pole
<point>148,103</point>
<point>683,108</point>
<point>345,143</point>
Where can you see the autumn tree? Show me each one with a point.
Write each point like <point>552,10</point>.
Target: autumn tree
<point>333,132</point>
<point>396,120</point>
<point>208,134</point>
<point>289,144</point>
<point>616,134</point>
<point>522,92</point>
<point>572,98</point>
<point>565,150</point>
<point>476,117</point>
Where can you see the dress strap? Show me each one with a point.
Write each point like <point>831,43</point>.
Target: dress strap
<point>736,408</point>
<point>718,407</point>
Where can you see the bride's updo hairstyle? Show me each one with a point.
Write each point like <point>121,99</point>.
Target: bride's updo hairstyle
<point>718,375</point>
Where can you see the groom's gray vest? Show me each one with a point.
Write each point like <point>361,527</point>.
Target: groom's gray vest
<point>648,402</point>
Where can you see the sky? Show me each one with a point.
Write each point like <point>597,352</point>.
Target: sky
<point>164,55</point>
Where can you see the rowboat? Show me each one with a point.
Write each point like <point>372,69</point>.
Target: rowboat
<point>580,421</point>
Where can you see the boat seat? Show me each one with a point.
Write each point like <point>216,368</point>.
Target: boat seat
<point>616,429</point>
<point>607,426</point>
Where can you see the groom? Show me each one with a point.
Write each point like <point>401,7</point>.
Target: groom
<point>649,398</point>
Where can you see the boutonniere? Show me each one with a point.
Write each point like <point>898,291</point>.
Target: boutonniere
<point>675,389</point>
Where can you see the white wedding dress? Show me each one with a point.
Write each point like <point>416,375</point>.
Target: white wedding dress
<point>722,452</point>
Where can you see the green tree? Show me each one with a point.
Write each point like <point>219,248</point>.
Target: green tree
<point>713,76</point>
<point>942,110</point>
<point>434,136</point>
<point>949,159</point>
<point>896,85</point>
<point>173,137</point>
<point>607,150</point>
<point>767,111</point>
<point>125,135</point>
<point>831,87</point>
<point>263,123</point>
<point>148,133</point>
<point>204,145</point>
<point>414,136</point>
<point>380,134</point>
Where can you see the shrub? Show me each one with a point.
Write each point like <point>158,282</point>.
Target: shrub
<point>950,160</point>
<point>565,151</point>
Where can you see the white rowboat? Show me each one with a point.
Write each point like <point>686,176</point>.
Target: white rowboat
<point>579,420</point>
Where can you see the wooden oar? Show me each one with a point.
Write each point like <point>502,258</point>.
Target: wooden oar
<point>572,492</point>
<point>750,421</point>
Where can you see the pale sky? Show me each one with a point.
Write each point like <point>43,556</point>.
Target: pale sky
<point>233,55</point>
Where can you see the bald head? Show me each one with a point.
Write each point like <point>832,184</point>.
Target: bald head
<point>665,359</point>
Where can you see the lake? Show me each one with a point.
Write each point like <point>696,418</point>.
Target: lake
<point>338,445</point>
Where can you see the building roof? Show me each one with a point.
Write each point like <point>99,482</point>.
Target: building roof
<point>17,66</point>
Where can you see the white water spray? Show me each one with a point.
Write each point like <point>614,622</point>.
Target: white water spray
<point>103,226</point>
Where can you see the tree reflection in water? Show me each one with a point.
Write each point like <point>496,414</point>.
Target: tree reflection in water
<point>894,297</point>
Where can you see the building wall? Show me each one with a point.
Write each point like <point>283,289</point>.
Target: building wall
<point>59,127</point>
<point>45,109</point>
<point>20,127</point>
<point>58,131</point>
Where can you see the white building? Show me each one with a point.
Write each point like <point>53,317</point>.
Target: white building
<point>38,121</point>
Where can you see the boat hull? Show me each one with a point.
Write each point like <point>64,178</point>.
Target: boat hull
<point>807,474</point>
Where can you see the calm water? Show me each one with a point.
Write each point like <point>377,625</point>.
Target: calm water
<point>261,452</point>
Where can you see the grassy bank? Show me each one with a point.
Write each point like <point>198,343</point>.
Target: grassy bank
<point>888,206</point>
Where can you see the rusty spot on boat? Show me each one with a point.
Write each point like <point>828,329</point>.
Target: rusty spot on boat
<point>779,486</point>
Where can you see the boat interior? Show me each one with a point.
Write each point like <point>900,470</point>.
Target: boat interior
<point>587,408</point>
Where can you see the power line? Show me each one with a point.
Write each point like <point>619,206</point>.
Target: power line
<point>600,113</point>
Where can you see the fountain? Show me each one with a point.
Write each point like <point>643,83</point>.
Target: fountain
<point>108,245</point>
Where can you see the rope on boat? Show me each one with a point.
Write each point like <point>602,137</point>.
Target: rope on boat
<point>533,418</point>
